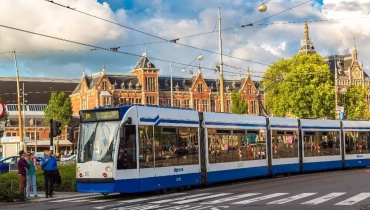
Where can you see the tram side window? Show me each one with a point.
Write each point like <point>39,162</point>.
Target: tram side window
<point>176,146</point>
<point>321,143</point>
<point>146,155</point>
<point>235,145</point>
<point>284,144</point>
<point>127,149</point>
<point>357,142</point>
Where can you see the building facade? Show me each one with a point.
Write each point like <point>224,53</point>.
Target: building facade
<point>144,85</point>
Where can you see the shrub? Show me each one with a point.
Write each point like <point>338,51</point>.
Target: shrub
<point>9,182</point>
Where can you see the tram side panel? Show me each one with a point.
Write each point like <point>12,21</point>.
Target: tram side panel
<point>321,146</point>
<point>235,146</point>
<point>168,148</point>
<point>356,143</point>
<point>284,145</point>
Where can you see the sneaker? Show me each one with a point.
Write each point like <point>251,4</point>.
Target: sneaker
<point>50,196</point>
<point>28,198</point>
<point>35,196</point>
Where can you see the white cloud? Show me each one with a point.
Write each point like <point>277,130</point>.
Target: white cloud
<point>263,43</point>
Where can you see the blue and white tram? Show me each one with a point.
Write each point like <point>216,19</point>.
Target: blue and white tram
<point>131,149</point>
<point>135,149</point>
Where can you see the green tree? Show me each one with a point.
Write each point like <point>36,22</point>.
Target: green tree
<point>238,104</point>
<point>59,109</point>
<point>355,106</point>
<point>301,86</point>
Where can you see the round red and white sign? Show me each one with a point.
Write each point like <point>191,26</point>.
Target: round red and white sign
<point>2,109</point>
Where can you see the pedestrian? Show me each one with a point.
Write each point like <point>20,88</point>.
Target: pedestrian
<point>31,176</point>
<point>22,167</point>
<point>49,164</point>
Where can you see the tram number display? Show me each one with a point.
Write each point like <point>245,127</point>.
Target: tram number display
<point>99,115</point>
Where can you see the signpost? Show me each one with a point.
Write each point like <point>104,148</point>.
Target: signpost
<point>2,109</point>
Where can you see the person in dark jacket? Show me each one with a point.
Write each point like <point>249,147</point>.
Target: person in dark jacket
<point>49,164</point>
<point>22,167</point>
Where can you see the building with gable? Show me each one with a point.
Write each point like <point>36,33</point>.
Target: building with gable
<point>144,85</point>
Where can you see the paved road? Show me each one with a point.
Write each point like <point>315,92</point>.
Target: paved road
<point>349,189</point>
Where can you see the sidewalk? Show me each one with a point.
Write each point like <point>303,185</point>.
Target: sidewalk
<point>41,197</point>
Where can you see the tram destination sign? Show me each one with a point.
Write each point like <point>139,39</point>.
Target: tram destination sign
<point>99,115</point>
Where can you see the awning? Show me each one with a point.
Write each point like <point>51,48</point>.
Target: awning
<point>62,142</point>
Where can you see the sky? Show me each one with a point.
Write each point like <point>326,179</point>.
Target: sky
<point>142,26</point>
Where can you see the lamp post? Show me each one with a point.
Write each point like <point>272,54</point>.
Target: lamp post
<point>221,63</point>
<point>23,113</point>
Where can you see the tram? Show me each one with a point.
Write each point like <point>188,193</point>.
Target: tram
<point>130,149</point>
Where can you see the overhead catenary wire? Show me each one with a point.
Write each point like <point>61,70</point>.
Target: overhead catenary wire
<point>175,41</point>
<point>95,46</point>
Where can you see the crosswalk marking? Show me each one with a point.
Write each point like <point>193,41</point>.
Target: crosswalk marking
<point>180,198</point>
<point>72,199</point>
<point>231,198</point>
<point>324,198</point>
<point>201,198</point>
<point>292,198</point>
<point>153,198</point>
<point>260,198</point>
<point>354,199</point>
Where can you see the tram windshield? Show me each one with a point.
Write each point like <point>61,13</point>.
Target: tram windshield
<point>97,141</point>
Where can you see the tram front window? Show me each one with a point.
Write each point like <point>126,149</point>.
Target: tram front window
<point>97,141</point>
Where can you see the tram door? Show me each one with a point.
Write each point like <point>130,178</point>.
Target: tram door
<point>127,160</point>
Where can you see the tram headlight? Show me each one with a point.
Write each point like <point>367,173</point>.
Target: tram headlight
<point>108,168</point>
<point>79,169</point>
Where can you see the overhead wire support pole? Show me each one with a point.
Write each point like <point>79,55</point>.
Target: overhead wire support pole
<point>221,63</point>
<point>21,143</point>
<point>171,85</point>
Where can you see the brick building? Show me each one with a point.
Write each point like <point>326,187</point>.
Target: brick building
<point>144,85</point>
<point>37,93</point>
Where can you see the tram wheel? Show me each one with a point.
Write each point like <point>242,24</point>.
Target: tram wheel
<point>105,194</point>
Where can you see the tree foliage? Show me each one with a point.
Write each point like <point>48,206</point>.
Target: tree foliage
<point>355,106</point>
<point>238,104</point>
<point>59,108</point>
<point>302,86</point>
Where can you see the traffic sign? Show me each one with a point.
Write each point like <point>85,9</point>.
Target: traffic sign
<point>2,109</point>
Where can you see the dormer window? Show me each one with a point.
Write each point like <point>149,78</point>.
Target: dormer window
<point>130,86</point>
<point>234,85</point>
<point>211,87</point>
<point>123,85</point>
<point>184,83</point>
<point>177,87</point>
<point>166,83</point>
<point>104,85</point>
<point>137,86</point>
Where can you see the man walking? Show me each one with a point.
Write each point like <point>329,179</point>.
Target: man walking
<point>22,167</point>
<point>49,164</point>
<point>31,176</point>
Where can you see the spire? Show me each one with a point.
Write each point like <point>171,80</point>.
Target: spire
<point>248,72</point>
<point>306,44</point>
<point>354,50</point>
<point>306,37</point>
<point>103,71</point>
<point>199,70</point>
<point>83,72</point>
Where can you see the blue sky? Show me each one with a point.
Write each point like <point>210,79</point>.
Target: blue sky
<point>248,47</point>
